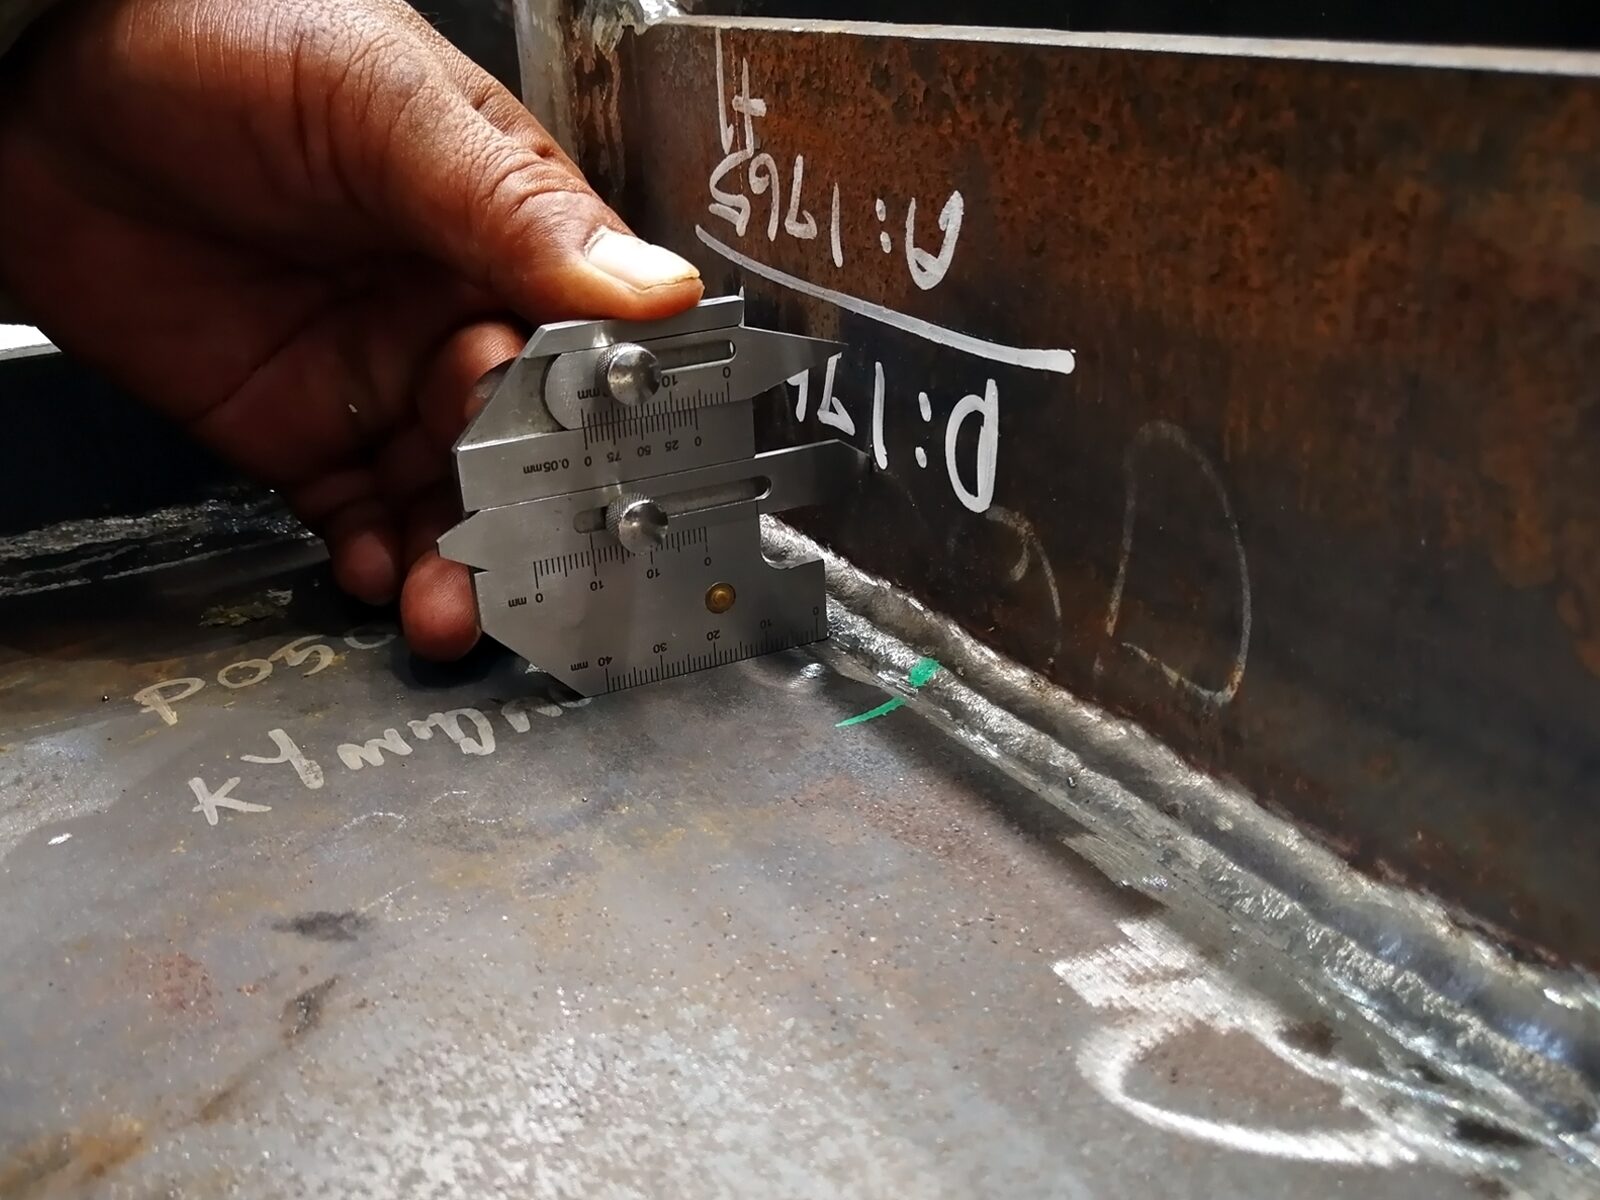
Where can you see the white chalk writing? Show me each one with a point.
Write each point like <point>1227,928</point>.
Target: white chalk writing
<point>745,169</point>
<point>1031,555</point>
<point>987,409</point>
<point>297,652</point>
<point>745,166</point>
<point>370,752</point>
<point>983,410</point>
<point>1158,988</point>
<point>208,802</point>
<point>1149,435</point>
<point>928,270</point>
<point>516,713</point>
<point>450,724</point>
<point>160,699</point>
<point>470,730</point>
<point>309,772</point>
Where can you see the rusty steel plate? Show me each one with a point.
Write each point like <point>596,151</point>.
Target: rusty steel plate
<point>1252,397</point>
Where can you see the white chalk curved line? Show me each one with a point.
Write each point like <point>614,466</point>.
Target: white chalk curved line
<point>1063,362</point>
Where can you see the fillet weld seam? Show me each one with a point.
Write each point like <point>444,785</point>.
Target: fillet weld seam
<point>1524,1035</point>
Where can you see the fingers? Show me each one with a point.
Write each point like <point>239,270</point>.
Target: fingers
<point>437,608</point>
<point>486,191</point>
<point>345,510</point>
<point>409,462</point>
<point>340,378</point>
<point>382,520</point>
<point>370,557</point>
<point>362,544</point>
<point>486,94</point>
<point>450,395</point>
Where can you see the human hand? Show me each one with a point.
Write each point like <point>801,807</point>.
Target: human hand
<point>304,229</point>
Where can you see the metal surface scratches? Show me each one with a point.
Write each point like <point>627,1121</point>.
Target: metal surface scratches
<point>1524,1035</point>
<point>1314,504</point>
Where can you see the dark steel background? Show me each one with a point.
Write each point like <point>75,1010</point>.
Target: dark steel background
<point>1553,23</point>
<point>482,30</point>
<point>120,459</point>
<point>1367,295</point>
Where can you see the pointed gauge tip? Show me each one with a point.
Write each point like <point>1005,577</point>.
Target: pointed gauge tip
<point>771,357</point>
<point>455,544</point>
<point>816,351</point>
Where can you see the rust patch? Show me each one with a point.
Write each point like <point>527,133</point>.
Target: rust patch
<point>270,604</point>
<point>255,985</point>
<point>71,1159</point>
<point>303,1013</point>
<point>1314,1037</point>
<point>325,926</point>
<point>175,982</point>
<point>1473,1132</point>
<point>1381,335</point>
<point>1380,766</point>
<point>220,1103</point>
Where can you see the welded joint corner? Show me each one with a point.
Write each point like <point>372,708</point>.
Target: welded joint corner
<point>607,20</point>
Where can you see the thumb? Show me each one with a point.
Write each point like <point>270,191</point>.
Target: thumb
<point>467,175</point>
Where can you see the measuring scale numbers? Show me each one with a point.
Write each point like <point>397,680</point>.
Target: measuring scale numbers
<point>614,498</point>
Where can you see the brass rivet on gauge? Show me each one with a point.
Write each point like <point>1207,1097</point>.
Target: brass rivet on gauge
<point>720,597</point>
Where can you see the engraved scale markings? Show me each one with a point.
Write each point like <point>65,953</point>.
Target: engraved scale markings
<point>589,561</point>
<point>632,602</point>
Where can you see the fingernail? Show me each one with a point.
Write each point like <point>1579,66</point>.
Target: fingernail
<point>638,264</point>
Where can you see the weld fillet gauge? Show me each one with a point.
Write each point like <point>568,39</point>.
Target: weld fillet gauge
<point>613,498</point>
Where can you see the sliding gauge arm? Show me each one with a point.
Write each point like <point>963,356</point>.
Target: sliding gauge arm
<point>613,498</point>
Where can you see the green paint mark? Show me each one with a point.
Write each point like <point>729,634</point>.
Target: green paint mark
<point>872,714</point>
<point>924,670</point>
